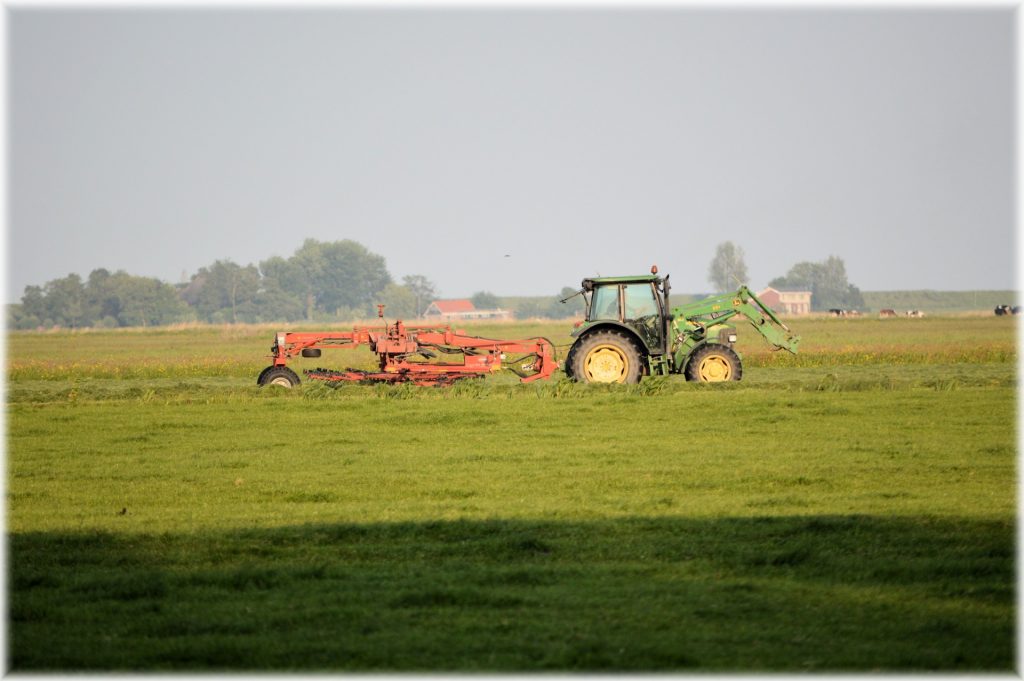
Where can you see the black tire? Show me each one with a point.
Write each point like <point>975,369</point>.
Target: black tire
<point>281,376</point>
<point>605,357</point>
<point>712,363</point>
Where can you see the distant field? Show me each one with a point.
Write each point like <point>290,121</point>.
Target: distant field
<point>938,301</point>
<point>848,509</point>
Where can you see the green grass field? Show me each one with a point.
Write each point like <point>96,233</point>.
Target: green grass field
<point>849,509</point>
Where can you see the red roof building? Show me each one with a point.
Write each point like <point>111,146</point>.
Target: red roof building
<point>786,302</point>
<point>461,309</point>
<point>445,307</point>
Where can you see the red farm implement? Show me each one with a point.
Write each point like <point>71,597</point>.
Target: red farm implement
<point>397,344</point>
<point>629,331</point>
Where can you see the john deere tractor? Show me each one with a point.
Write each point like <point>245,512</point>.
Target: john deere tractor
<point>630,331</point>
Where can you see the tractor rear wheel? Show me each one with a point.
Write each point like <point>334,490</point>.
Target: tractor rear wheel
<point>282,376</point>
<point>713,363</point>
<point>605,357</point>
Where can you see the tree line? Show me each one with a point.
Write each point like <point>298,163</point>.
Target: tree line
<point>334,281</point>
<point>321,281</point>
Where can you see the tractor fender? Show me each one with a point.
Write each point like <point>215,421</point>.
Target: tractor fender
<point>684,353</point>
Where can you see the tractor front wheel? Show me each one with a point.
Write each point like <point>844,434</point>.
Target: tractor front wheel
<point>605,357</point>
<point>282,376</point>
<point>713,363</point>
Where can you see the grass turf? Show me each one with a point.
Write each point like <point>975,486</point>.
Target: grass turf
<point>811,519</point>
<point>850,509</point>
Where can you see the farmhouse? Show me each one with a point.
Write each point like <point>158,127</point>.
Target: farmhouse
<point>449,310</point>
<point>786,301</point>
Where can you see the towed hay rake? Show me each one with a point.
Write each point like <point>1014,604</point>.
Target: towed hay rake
<point>396,346</point>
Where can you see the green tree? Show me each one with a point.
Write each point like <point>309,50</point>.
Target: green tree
<point>485,300</point>
<point>101,301</point>
<point>144,301</point>
<point>58,302</point>
<point>399,302</point>
<point>727,267</point>
<point>273,304</point>
<point>33,306</point>
<point>18,319</point>
<point>827,282</point>
<point>341,274</point>
<point>224,292</point>
<point>532,307</point>
<point>104,299</point>
<point>285,291</point>
<point>333,280</point>
<point>422,289</point>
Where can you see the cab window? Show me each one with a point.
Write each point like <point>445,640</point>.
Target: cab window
<point>605,304</point>
<point>640,301</point>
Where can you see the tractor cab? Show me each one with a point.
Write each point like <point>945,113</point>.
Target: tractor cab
<point>639,303</point>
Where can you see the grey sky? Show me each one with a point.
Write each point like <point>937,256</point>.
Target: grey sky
<point>578,142</point>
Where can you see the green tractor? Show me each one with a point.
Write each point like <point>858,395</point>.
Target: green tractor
<point>630,331</point>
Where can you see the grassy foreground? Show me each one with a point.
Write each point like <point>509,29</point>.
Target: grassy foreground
<point>830,517</point>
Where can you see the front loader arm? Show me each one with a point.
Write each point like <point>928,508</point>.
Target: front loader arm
<point>717,310</point>
<point>780,338</point>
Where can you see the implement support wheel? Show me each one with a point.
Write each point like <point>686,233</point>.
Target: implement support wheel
<point>605,357</point>
<point>282,376</point>
<point>712,363</point>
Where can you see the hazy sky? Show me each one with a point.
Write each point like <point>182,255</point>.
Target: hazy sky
<point>578,142</point>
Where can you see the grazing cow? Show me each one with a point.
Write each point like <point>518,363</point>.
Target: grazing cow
<point>1003,309</point>
<point>1015,309</point>
<point>836,312</point>
<point>887,312</point>
<point>915,313</point>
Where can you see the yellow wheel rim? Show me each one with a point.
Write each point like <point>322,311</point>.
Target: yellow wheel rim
<point>606,364</point>
<point>714,368</point>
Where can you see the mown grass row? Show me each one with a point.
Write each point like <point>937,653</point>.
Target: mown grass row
<point>50,370</point>
<point>846,378</point>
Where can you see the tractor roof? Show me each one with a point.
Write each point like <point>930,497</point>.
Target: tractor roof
<point>589,282</point>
